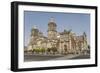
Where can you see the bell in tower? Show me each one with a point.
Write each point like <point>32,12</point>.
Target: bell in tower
<point>52,28</point>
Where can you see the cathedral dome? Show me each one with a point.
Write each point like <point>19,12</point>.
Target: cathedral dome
<point>52,21</point>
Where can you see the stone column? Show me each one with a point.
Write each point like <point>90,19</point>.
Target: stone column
<point>70,44</point>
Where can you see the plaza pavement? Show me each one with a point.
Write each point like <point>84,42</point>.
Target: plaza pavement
<point>45,57</point>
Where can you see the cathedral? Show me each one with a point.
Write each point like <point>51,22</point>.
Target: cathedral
<point>57,42</point>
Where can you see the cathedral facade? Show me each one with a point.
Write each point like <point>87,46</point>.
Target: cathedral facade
<point>57,42</point>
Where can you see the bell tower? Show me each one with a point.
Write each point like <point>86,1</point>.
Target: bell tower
<point>52,28</point>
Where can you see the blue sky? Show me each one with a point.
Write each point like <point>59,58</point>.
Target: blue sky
<point>78,22</point>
